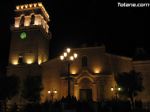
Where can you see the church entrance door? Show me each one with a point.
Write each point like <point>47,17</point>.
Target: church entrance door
<point>85,94</point>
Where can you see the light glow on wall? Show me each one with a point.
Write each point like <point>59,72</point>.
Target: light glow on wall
<point>38,19</point>
<point>73,71</point>
<point>112,89</point>
<point>27,21</point>
<point>39,61</point>
<point>40,4</point>
<point>29,61</point>
<point>97,70</point>
<point>37,22</point>
<point>17,7</point>
<point>17,21</point>
<point>15,62</point>
<point>30,5</point>
<point>26,6</point>
<point>35,4</point>
<point>55,91</point>
<point>16,25</point>
<point>22,7</point>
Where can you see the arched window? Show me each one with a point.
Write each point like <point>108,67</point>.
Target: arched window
<point>84,61</point>
<point>32,19</point>
<point>22,21</point>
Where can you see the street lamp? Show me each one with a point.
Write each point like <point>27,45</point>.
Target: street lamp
<point>68,57</point>
<point>115,90</point>
<point>51,94</point>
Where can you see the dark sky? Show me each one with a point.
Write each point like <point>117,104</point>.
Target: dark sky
<point>75,22</point>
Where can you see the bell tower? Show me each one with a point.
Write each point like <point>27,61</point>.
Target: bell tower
<point>30,35</point>
<point>29,45</point>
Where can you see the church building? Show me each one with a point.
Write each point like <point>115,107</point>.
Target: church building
<point>92,72</point>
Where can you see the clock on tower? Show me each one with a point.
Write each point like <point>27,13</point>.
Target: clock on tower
<point>23,35</point>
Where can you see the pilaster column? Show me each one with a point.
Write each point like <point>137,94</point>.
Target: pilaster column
<point>76,91</point>
<point>94,91</point>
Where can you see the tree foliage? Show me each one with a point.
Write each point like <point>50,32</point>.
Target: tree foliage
<point>131,83</point>
<point>8,86</point>
<point>32,87</point>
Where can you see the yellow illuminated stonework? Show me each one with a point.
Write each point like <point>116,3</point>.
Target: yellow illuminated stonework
<point>27,21</point>
<point>17,7</point>
<point>97,70</point>
<point>95,75</point>
<point>73,71</point>
<point>39,61</point>
<point>29,58</point>
<point>38,19</point>
<point>29,61</point>
<point>41,18</point>
<point>33,5</point>
<point>15,62</point>
<point>17,20</point>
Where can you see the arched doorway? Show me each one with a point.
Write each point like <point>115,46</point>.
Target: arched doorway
<point>85,89</point>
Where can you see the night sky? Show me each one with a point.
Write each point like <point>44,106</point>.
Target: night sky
<point>76,22</point>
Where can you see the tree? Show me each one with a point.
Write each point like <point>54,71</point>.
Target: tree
<point>8,87</point>
<point>32,87</point>
<point>131,84</point>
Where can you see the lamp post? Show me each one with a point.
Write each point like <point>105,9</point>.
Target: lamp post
<point>51,94</point>
<point>68,57</point>
<point>115,90</point>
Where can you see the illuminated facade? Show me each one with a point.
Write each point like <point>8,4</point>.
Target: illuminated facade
<point>92,72</point>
